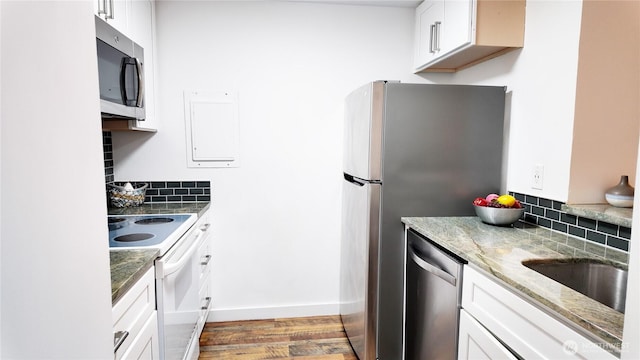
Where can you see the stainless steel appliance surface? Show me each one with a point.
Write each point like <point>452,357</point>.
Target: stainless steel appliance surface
<point>409,150</point>
<point>120,73</point>
<point>433,300</point>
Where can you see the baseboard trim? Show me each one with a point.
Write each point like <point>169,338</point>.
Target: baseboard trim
<point>272,312</point>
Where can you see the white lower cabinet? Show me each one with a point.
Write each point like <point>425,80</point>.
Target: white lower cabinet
<point>145,345</point>
<point>477,343</point>
<point>501,316</point>
<point>135,319</point>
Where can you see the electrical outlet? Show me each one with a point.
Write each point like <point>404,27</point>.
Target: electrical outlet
<point>538,177</point>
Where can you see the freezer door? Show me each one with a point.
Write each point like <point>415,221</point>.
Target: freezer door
<point>359,265</point>
<point>363,132</point>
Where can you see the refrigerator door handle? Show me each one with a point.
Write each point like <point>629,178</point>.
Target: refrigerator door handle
<point>354,180</point>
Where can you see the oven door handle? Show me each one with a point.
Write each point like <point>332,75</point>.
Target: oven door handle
<point>170,268</point>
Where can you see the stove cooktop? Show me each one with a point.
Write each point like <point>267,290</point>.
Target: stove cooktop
<point>159,231</point>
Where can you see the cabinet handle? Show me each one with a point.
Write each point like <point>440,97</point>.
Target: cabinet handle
<point>437,36</point>
<point>208,300</point>
<point>102,7</point>
<point>432,32</point>
<point>118,338</point>
<point>110,14</point>
<point>204,227</point>
<point>207,258</point>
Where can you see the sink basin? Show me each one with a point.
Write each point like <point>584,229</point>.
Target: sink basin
<point>600,281</point>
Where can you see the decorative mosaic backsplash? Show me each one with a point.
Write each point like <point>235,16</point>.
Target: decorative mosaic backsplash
<point>158,191</point>
<point>547,213</point>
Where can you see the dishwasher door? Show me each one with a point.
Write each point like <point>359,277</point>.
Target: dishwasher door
<point>433,298</point>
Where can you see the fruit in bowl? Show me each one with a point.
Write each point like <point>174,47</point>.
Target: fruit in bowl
<point>498,209</point>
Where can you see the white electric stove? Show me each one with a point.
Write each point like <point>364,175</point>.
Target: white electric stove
<point>159,231</point>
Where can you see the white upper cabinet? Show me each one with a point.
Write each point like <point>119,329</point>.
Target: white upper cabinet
<point>453,34</point>
<point>429,18</point>
<point>114,12</point>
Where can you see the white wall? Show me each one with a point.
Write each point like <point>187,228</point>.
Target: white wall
<point>56,298</point>
<point>277,216</point>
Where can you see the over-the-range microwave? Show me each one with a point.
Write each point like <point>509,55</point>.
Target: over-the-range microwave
<point>121,74</point>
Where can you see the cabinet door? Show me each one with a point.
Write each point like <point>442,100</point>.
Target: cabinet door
<point>429,19</point>
<point>145,346</point>
<point>115,12</point>
<point>475,342</point>
<point>458,30</point>
<point>132,310</point>
<point>525,328</point>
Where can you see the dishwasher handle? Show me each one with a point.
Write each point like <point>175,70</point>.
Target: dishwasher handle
<point>432,268</point>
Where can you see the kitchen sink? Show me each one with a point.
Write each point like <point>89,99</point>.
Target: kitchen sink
<point>603,282</point>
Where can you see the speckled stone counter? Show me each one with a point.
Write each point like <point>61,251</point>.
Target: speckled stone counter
<point>127,267</point>
<point>500,250</point>
<point>163,208</point>
<point>603,212</point>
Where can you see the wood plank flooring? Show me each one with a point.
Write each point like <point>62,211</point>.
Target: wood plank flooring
<point>308,338</point>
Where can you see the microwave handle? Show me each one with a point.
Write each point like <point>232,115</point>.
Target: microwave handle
<point>123,80</point>
<point>140,82</point>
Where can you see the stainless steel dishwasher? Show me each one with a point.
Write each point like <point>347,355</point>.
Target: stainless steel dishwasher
<point>433,298</point>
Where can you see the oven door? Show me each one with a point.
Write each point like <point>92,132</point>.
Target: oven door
<point>178,301</point>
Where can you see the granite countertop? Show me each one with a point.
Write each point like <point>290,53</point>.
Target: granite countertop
<point>500,250</point>
<point>128,266</point>
<point>163,208</point>
<point>603,212</point>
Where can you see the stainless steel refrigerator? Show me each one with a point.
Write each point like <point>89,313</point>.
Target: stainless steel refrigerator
<point>410,150</point>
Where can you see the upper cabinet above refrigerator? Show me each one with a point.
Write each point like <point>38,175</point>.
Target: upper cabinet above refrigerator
<point>451,35</point>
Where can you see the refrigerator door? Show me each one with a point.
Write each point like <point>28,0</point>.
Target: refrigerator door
<point>363,132</point>
<point>442,148</point>
<point>358,276</point>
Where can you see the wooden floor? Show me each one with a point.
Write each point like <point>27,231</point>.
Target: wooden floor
<point>309,338</point>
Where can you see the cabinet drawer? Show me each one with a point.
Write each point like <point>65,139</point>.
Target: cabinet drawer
<point>131,312</point>
<point>525,328</point>
<point>205,304</point>
<point>204,254</point>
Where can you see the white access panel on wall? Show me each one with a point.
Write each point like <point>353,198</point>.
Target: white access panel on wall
<point>211,119</point>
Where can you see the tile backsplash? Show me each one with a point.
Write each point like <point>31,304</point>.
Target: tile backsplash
<point>107,150</point>
<point>177,191</point>
<point>158,191</point>
<point>547,213</point>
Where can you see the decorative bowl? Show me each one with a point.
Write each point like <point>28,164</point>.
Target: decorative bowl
<point>498,216</point>
<point>122,196</point>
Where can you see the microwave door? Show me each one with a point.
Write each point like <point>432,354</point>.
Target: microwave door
<point>110,71</point>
